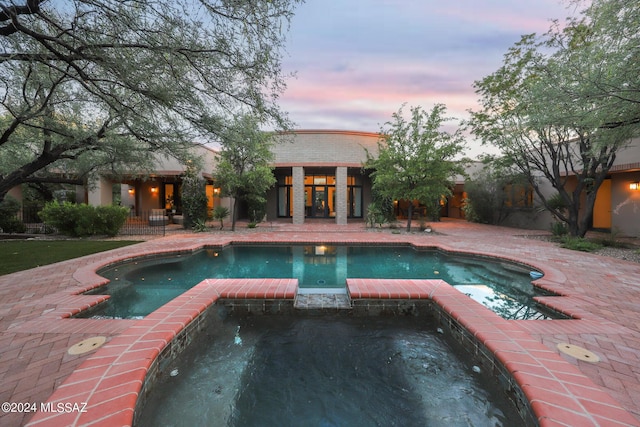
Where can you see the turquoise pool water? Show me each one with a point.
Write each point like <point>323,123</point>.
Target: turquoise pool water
<point>138,288</point>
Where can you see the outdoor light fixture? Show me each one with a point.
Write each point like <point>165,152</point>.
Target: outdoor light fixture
<point>131,191</point>
<point>154,190</point>
<point>634,186</point>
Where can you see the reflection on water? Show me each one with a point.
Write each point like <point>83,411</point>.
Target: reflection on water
<point>138,288</point>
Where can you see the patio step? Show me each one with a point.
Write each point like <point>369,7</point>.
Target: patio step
<point>322,298</point>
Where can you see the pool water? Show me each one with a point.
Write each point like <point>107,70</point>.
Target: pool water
<point>138,288</point>
<point>277,370</point>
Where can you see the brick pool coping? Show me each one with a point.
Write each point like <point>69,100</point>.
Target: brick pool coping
<point>111,378</point>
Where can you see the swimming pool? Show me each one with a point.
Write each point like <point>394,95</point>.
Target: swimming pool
<point>332,370</point>
<point>139,287</point>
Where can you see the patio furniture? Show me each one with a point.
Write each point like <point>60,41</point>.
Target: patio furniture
<point>158,217</point>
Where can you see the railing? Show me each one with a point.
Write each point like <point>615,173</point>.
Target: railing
<point>151,222</point>
<point>31,220</point>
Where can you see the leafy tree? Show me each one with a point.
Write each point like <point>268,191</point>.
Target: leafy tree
<point>416,159</point>
<point>90,86</point>
<point>243,171</point>
<point>563,104</point>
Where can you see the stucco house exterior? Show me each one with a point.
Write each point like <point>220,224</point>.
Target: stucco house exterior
<point>319,176</point>
<point>617,206</point>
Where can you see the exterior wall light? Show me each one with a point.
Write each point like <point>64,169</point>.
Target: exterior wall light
<point>154,190</point>
<point>634,186</point>
<point>131,191</point>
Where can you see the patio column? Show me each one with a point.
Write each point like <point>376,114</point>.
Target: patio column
<point>341,195</point>
<point>100,192</point>
<point>297,173</point>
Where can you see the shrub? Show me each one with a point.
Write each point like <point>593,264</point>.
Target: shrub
<point>580,244</point>
<point>219,214</point>
<point>199,226</point>
<point>194,200</point>
<point>12,225</point>
<point>257,208</point>
<point>80,220</point>
<point>378,214</point>
<point>559,229</point>
<point>110,219</point>
<point>9,222</point>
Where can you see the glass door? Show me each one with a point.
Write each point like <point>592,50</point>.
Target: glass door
<point>319,201</point>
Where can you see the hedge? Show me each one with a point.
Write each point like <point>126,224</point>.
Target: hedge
<point>81,220</point>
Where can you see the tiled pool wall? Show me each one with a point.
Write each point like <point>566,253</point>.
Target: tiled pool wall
<point>488,361</point>
<point>548,390</point>
<point>168,354</point>
<point>364,307</point>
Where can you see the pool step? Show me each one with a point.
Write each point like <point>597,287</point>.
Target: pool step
<point>322,298</point>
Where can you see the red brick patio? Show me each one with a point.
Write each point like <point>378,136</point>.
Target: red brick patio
<point>602,294</point>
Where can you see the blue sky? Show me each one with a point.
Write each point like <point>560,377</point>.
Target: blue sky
<point>358,61</point>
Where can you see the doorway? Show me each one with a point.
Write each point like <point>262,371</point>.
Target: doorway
<point>320,201</point>
<point>602,206</point>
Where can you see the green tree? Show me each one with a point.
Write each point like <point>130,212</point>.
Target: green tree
<point>563,105</point>
<point>243,171</point>
<point>416,159</point>
<point>91,86</point>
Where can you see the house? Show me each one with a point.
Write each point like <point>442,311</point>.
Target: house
<point>319,175</point>
<point>617,205</point>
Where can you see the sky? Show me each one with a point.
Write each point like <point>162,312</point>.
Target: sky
<point>357,61</point>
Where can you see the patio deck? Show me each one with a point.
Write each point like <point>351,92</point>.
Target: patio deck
<point>603,294</point>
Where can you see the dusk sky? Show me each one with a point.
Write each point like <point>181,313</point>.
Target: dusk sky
<point>358,61</point>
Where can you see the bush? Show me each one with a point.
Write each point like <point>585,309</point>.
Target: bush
<point>80,220</point>
<point>559,229</point>
<point>580,244</point>
<point>12,225</point>
<point>199,226</point>
<point>219,214</point>
<point>257,207</point>
<point>9,222</point>
<point>194,200</point>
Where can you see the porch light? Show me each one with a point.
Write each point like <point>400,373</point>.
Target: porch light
<point>634,186</point>
<point>131,191</point>
<point>154,190</point>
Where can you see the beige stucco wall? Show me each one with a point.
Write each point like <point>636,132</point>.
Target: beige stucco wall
<point>170,165</point>
<point>624,203</point>
<point>324,147</point>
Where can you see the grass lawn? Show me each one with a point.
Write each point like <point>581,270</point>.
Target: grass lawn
<point>24,254</point>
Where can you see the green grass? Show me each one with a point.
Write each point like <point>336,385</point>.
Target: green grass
<point>21,255</point>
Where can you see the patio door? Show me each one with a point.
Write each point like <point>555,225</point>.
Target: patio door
<point>320,201</point>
